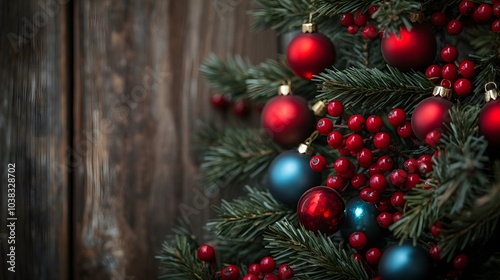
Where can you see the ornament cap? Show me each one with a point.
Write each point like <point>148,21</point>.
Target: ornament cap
<point>492,93</point>
<point>309,27</point>
<point>305,149</point>
<point>285,90</point>
<point>417,17</point>
<point>442,91</point>
<point>319,108</point>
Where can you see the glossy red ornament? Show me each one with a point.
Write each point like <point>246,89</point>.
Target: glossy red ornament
<point>414,49</point>
<point>489,123</point>
<point>309,54</point>
<point>430,114</point>
<point>321,209</point>
<point>288,120</point>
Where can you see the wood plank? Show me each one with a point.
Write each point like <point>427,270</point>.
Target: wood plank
<point>138,97</point>
<point>34,128</point>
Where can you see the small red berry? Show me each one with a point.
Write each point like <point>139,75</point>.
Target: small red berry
<point>435,228</point>
<point>374,169</point>
<point>318,163</point>
<point>324,126</point>
<point>230,272</point>
<point>460,262</point>
<point>422,158</point>
<point>241,107</point>
<point>496,9</point>
<point>369,195</point>
<point>365,157</point>
<point>398,177</point>
<point>374,123</point>
<point>254,269</point>
<point>378,182</point>
<point>425,167</point>
<point>336,182</point>
<point>467,67</point>
<point>357,257</point>
<point>335,108</point>
<point>358,180</point>
<point>347,19</point>
<point>482,13</point>
<point>370,32</point>
<point>382,140</point>
<point>356,122</point>
<point>250,277</point>
<point>435,253</point>
<point>372,9</point>
<point>405,131</point>
<point>270,276</point>
<point>466,7</point>
<point>285,272</point>
<point>432,138</point>
<point>384,204</point>
<point>433,72</point>
<point>358,240</point>
<point>335,139</point>
<point>350,171</point>
<point>438,19</point>
<point>397,117</point>
<point>360,18</point>
<point>354,142</point>
<point>373,256</point>
<point>462,86</point>
<point>206,253</point>
<point>218,101</point>
<point>341,165</point>
<point>411,165</point>
<point>454,27</point>
<point>352,29</point>
<point>398,199</point>
<point>384,219</point>
<point>397,216</point>
<point>449,53</point>
<point>343,150</point>
<point>267,264</point>
<point>412,181</point>
<point>449,72</point>
<point>385,163</point>
<point>495,26</point>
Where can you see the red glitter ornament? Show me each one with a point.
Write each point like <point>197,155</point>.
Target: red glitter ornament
<point>321,209</point>
<point>310,53</point>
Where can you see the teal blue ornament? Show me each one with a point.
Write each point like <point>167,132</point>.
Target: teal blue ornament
<point>362,216</point>
<point>289,176</point>
<point>406,262</point>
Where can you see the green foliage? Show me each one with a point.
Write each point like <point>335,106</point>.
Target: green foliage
<point>336,7</point>
<point>312,256</point>
<point>281,15</point>
<point>488,71</point>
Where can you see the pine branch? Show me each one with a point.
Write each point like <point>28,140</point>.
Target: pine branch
<point>228,76</point>
<point>336,7</point>
<point>280,15</point>
<point>178,260</point>
<point>240,154</point>
<point>392,15</point>
<point>242,222</point>
<point>374,89</point>
<point>313,256</point>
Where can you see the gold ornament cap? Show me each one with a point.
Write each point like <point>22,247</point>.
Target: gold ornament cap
<point>309,27</point>
<point>443,91</point>
<point>417,17</point>
<point>284,90</point>
<point>319,108</point>
<point>305,149</point>
<point>490,94</point>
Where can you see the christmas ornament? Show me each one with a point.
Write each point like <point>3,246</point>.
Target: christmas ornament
<point>432,113</point>
<point>405,262</point>
<point>287,118</point>
<point>414,49</point>
<point>321,209</point>
<point>489,123</point>
<point>361,216</point>
<point>310,52</point>
<point>289,176</point>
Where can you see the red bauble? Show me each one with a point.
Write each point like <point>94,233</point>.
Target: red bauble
<point>414,49</point>
<point>288,120</point>
<point>489,123</point>
<point>309,54</point>
<point>430,114</point>
<point>321,209</point>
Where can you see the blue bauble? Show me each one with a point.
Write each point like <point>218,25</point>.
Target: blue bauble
<point>290,175</point>
<point>362,216</point>
<point>406,262</point>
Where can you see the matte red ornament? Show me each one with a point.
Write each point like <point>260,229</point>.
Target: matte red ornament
<point>309,54</point>
<point>489,123</point>
<point>430,114</point>
<point>414,49</point>
<point>288,120</point>
<point>321,209</point>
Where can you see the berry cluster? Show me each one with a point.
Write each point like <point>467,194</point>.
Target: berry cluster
<point>240,107</point>
<point>264,270</point>
<point>358,19</point>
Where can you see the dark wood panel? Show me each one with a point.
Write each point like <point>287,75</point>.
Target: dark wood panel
<point>138,97</point>
<point>34,136</point>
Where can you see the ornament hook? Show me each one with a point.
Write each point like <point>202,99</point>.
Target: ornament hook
<point>442,90</point>
<point>492,93</point>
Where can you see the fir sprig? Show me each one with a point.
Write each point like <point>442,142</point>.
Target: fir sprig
<point>332,8</point>
<point>228,76</point>
<point>313,255</point>
<point>373,88</point>
<point>281,15</point>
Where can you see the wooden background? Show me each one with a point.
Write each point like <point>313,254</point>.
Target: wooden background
<point>99,102</point>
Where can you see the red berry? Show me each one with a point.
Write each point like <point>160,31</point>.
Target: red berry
<point>398,199</point>
<point>230,272</point>
<point>463,87</point>
<point>495,26</point>
<point>422,158</point>
<point>460,262</point>
<point>350,171</point>
<point>412,181</point>
<point>385,163</point>
<point>435,228</point>
<point>384,219</point>
<point>435,253</point>
<point>433,71</point>
<point>466,8</point>
<point>341,165</point>
<point>482,13</point>
<point>411,165</point>
<point>318,163</point>
<point>285,272</point>
<point>382,140</point>
<point>405,131</point>
<point>373,256</point>
<point>370,32</point>
<point>397,117</point>
<point>250,277</point>
<point>397,216</point>
<point>344,151</point>
<point>347,19</point>
<point>335,108</point>
<point>206,253</point>
<point>432,138</point>
<point>357,257</point>
<point>374,169</point>
<point>467,67</point>
<point>496,9</point>
<point>352,29</point>
<point>241,107</point>
<point>270,276</point>
<point>354,143</point>
<point>335,139</point>
<point>218,101</point>
<point>358,180</point>
<point>358,240</point>
<point>356,122</point>
<point>374,123</point>
<point>384,204</point>
<point>454,27</point>
<point>369,195</point>
<point>398,177</point>
<point>254,269</point>
<point>449,53</point>
<point>365,157</point>
<point>378,182</point>
<point>372,9</point>
<point>360,18</point>
<point>336,182</point>
<point>438,19</point>
<point>324,126</point>
<point>449,72</point>
<point>267,264</point>
<point>425,167</point>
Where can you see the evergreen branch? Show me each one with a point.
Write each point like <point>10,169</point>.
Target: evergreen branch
<point>392,15</point>
<point>240,154</point>
<point>178,260</point>
<point>336,7</point>
<point>228,76</point>
<point>310,255</point>
<point>280,15</point>
<point>374,89</point>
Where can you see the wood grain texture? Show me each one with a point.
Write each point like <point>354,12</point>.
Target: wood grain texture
<point>34,136</point>
<point>138,98</point>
